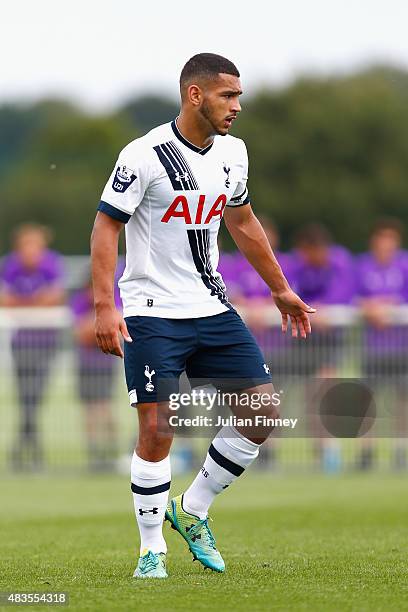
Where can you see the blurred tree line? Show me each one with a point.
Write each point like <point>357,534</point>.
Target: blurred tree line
<point>333,150</point>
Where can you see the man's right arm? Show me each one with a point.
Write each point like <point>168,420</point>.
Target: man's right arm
<point>104,253</point>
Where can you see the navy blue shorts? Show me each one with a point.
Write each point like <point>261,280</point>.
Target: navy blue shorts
<point>215,349</point>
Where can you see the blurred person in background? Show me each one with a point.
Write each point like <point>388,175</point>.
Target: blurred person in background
<point>228,266</point>
<point>247,289</point>
<point>256,293</point>
<point>382,284</point>
<point>323,273</point>
<point>96,380</point>
<point>31,278</point>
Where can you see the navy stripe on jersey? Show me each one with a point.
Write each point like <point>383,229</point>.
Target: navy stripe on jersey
<point>222,296</point>
<point>113,212</point>
<point>184,163</point>
<point>182,174</point>
<point>173,170</point>
<point>238,197</point>
<point>202,237</point>
<point>181,178</point>
<point>209,265</point>
<point>244,195</point>
<point>246,201</point>
<point>204,241</point>
<point>198,240</point>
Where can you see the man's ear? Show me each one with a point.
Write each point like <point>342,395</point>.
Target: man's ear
<point>194,95</point>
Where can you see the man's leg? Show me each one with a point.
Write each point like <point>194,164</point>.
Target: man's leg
<point>150,475</point>
<point>95,388</point>
<point>31,365</point>
<point>231,452</point>
<point>154,362</point>
<point>227,355</point>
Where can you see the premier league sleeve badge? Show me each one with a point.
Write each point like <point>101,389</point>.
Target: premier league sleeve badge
<point>123,178</point>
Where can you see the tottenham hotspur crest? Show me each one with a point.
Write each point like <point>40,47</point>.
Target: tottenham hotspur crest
<point>227,171</point>
<point>149,374</point>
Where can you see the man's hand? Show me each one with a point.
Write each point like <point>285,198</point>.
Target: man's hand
<point>108,325</point>
<point>292,306</point>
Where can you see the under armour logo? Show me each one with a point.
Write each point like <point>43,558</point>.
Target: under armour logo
<point>152,511</point>
<point>149,374</point>
<point>182,176</point>
<point>266,368</point>
<point>193,537</point>
<point>227,171</point>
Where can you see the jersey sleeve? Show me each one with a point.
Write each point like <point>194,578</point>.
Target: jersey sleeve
<point>241,195</point>
<point>126,186</point>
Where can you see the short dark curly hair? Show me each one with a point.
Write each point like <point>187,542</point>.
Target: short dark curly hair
<point>206,66</point>
<point>312,234</point>
<point>387,223</point>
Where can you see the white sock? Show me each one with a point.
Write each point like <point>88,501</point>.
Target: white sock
<point>150,486</point>
<point>228,456</point>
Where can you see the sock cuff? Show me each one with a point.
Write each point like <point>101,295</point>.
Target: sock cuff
<point>233,456</point>
<point>150,470</point>
<point>140,461</point>
<point>234,439</point>
<point>241,437</point>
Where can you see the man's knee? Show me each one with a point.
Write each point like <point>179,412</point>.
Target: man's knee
<point>261,400</point>
<point>155,435</point>
<point>263,411</point>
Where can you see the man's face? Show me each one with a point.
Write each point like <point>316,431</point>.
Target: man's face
<point>315,255</point>
<point>30,246</point>
<point>220,104</point>
<point>384,244</point>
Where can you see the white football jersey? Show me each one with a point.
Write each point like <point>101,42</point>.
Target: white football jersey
<point>171,194</point>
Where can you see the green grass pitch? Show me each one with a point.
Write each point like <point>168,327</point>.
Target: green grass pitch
<point>290,543</point>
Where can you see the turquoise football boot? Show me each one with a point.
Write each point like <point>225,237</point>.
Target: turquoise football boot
<point>196,533</point>
<point>151,565</point>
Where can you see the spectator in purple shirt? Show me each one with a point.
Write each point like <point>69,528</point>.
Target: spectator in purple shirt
<point>229,266</point>
<point>31,277</point>
<point>96,380</point>
<point>244,285</point>
<point>323,275</point>
<point>382,284</point>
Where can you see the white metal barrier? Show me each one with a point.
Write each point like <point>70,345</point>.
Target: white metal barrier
<point>60,409</point>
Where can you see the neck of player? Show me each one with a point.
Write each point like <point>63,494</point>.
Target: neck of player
<point>195,129</point>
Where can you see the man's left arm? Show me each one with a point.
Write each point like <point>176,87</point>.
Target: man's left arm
<point>250,238</point>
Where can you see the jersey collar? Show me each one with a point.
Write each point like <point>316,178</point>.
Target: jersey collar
<point>186,142</point>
